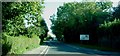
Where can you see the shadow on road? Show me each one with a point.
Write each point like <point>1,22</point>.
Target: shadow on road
<point>59,47</point>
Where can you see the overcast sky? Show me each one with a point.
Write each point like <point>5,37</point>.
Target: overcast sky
<point>52,5</point>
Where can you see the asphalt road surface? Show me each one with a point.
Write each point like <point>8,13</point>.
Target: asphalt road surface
<point>61,49</point>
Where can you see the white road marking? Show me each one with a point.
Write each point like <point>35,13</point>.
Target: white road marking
<point>44,50</point>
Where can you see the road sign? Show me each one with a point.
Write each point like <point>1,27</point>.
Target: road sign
<point>84,36</point>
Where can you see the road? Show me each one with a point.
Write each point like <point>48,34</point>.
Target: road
<point>58,48</point>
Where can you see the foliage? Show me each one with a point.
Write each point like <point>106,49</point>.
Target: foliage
<point>15,14</point>
<point>111,32</point>
<point>77,18</point>
<point>116,13</point>
<point>6,47</point>
<point>32,30</point>
<point>21,37</point>
<point>19,44</point>
<point>111,28</point>
<point>104,5</point>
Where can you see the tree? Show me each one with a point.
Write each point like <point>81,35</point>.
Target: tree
<point>111,32</point>
<point>15,13</point>
<point>14,17</point>
<point>116,13</point>
<point>77,18</point>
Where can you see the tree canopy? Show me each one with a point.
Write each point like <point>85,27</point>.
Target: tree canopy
<point>15,14</point>
<point>77,18</point>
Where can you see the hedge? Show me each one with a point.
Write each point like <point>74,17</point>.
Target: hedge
<point>18,45</point>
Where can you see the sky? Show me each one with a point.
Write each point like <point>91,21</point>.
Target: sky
<point>52,5</point>
<point>49,10</point>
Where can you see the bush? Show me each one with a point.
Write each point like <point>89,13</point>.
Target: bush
<point>111,32</point>
<point>111,28</point>
<point>6,47</point>
<point>19,44</point>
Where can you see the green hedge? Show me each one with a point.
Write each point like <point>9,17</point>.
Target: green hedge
<point>19,44</point>
<point>111,28</point>
<point>109,33</point>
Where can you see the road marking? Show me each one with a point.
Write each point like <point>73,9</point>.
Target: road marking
<point>44,50</point>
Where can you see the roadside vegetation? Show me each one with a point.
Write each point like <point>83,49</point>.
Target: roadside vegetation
<point>98,19</point>
<point>23,26</point>
<point>18,45</point>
